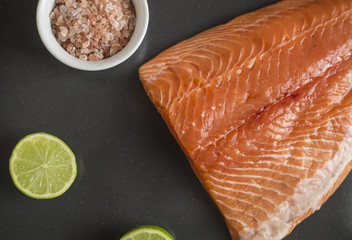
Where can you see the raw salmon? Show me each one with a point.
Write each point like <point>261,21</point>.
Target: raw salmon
<point>262,108</point>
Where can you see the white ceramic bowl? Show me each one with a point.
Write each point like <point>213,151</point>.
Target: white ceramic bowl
<point>44,9</point>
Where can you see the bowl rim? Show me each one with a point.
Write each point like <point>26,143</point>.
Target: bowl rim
<point>43,22</point>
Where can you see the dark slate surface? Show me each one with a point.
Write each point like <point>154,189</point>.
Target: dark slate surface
<point>130,169</point>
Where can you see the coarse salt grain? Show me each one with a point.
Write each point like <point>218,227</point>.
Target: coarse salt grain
<point>86,44</point>
<point>83,57</point>
<point>63,9</point>
<point>93,57</point>
<point>63,31</point>
<point>85,51</point>
<point>93,29</point>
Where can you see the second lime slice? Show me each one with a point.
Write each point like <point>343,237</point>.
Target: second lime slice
<point>147,232</point>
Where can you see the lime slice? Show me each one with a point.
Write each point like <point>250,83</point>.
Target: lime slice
<point>42,166</point>
<point>147,233</point>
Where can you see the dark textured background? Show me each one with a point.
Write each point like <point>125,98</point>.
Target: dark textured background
<point>130,169</point>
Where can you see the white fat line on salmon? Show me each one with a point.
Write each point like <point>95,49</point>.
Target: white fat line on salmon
<point>336,117</point>
<point>283,157</point>
<point>243,168</point>
<point>309,133</point>
<point>317,112</point>
<point>205,57</point>
<point>280,148</point>
<point>307,141</point>
<point>289,141</point>
<point>324,124</point>
<point>287,155</point>
<point>287,151</point>
<point>308,195</point>
<point>267,162</point>
<point>286,170</point>
<point>291,161</point>
<point>250,177</point>
<point>284,129</point>
<point>236,220</point>
<point>275,127</point>
<point>233,209</point>
<point>243,172</point>
<point>286,144</point>
<point>228,189</point>
<point>257,186</point>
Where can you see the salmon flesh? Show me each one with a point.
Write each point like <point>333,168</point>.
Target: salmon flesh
<point>262,108</point>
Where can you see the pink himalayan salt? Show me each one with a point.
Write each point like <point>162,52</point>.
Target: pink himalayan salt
<point>93,29</point>
<point>63,31</point>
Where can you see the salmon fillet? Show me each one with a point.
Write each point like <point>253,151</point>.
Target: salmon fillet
<point>262,108</point>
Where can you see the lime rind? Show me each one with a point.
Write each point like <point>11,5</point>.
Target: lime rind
<point>147,230</point>
<point>37,160</point>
